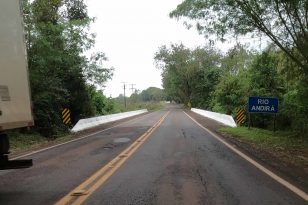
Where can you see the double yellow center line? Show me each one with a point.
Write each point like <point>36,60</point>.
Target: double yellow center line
<point>95,181</point>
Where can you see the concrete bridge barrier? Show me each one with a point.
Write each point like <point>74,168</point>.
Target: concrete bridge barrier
<point>95,121</point>
<point>222,118</point>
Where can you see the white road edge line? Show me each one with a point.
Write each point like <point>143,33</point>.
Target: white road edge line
<point>34,152</point>
<point>259,166</point>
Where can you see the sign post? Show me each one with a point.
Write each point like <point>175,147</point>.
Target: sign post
<point>274,123</point>
<point>249,122</point>
<point>263,105</point>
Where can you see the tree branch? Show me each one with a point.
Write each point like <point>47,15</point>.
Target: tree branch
<point>295,40</point>
<point>301,24</point>
<point>264,29</point>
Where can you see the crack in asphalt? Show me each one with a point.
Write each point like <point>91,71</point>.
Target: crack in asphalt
<point>201,179</point>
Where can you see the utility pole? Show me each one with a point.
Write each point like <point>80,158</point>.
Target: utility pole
<point>124,94</point>
<point>109,104</point>
<point>132,88</point>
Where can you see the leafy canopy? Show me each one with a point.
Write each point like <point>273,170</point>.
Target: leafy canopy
<point>189,75</point>
<point>285,22</point>
<point>57,35</point>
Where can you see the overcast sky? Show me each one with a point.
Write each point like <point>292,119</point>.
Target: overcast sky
<point>130,32</point>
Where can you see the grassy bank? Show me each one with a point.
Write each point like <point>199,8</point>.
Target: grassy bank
<point>282,145</point>
<point>20,142</point>
<point>160,107</point>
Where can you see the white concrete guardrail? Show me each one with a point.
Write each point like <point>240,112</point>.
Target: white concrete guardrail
<point>95,121</point>
<point>224,119</point>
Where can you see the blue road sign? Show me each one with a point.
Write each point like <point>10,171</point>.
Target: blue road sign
<point>263,105</point>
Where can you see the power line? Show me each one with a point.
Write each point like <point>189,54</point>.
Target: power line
<point>132,88</point>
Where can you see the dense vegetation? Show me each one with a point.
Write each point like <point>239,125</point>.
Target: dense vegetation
<point>61,76</point>
<point>222,82</point>
<point>212,80</point>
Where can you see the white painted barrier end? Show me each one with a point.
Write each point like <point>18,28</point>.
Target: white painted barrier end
<point>95,121</point>
<point>222,118</point>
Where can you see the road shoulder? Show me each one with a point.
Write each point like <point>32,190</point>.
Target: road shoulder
<point>296,173</point>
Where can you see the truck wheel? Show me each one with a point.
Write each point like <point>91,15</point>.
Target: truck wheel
<point>4,144</point>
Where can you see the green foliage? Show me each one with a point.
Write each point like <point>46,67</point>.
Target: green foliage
<point>231,93</point>
<point>222,83</point>
<point>103,105</point>
<point>265,82</point>
<point>152,93</point>
<point>278,72</point>
<point>94,71</point>
<point>189,75</point>
<point>20,141</point>
<point>160,107</point>
<point>60,76</point>
<point>285,22</point>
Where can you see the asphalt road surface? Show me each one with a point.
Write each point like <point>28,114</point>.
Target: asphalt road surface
<point>163,157</point>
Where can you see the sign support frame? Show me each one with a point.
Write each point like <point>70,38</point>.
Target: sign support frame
<point>274,123</point>
<point>249,121</point>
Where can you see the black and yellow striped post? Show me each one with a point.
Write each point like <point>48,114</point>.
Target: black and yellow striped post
<point>66,116</point>
<point>240,115</point>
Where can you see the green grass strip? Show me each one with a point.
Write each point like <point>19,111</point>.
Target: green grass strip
<point>266,138</point>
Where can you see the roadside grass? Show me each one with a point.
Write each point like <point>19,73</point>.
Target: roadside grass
<point>282,144</point>
<point>151,106</point>
<point>64,138</point>
<point>22,142</point>
<point>159,108</point>
<point>19,142</point>
<point>265,138</point>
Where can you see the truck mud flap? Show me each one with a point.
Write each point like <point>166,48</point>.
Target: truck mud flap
<point>5,163</point>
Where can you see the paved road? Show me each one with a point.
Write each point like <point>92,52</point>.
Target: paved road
<point>169,160</point>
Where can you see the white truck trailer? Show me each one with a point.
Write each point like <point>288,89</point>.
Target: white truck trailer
<point>15,102</point>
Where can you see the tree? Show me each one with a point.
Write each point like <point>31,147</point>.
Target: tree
<point>189,75</point>
<point>145,96</point>
<point>174,63</point>
<point>155,94</point>
<point>94,70</point>
<point>237,58</point>
<point>133,98</point>
<point>231,93</point>
<point>285,22</point>
<point>60,75</point>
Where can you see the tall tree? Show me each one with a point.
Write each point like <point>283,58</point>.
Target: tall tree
<point>57,35</point>
<point>189,75</point>
<point>285,22</point>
